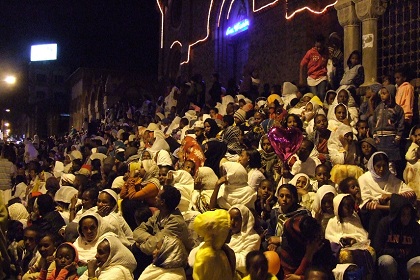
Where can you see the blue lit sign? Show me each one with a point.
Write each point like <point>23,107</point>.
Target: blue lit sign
<point>238,27</point>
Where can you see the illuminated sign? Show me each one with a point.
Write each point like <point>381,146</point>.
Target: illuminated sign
<point>238,27</point>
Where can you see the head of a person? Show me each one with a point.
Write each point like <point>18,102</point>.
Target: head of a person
<point>327,205</point>
<point>235,220</point>
<point>90,198</point>
<point>31,236</point>
<point>266,144</point>
<point>163,172</point>
<point>45,204</point>
<point>213,112</point>
<point>319,273</point>
<point>293,120</point>
<point>381,164</point>
<point>415,135</point>
<point>250,158</point>
<point>81,183</point>
<point>106,201</point>
<point>362,128</point>
<point>146,155</point>
<point>321,123</point>
<point>345,207</point>
<point>301,182</point>
<point>48,244</point>
<point>368,147</point>
<point>230,108</point>
<point>228,120</point>
<point>183,123</point>
<point>340,112</point>
<point>319,43</point>
<point>330,97</point>
<point>102,252</point>
<point>88,228</point>
<point>256,265</point>
<point>189,166</point>
<point>401,76</point>
<point>65,255</point>
<point>343,97</point>
<point>52,185</point>
<point>322,174</point>
<point>350,186</point>
<point>354,59</point>
<point>168,198</point>
<point>287,197</point>
<point>265,189</point>
<point>258,118</point>
<point>305,150</point>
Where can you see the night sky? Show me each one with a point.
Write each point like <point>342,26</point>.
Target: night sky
<point>122,35</point>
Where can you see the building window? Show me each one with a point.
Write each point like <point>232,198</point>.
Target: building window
<point>176,13</point>
<point>398,33</point>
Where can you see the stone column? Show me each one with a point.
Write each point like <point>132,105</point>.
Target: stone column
<point>347,17</point>
<point>368,12</point>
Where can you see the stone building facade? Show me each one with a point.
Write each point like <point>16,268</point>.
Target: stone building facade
<point>194,39</point>
<point>93,91</point>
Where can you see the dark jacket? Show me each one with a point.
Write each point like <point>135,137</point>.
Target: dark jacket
<point>394,239</point>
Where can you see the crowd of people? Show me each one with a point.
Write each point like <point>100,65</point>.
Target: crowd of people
<point>192,186</point>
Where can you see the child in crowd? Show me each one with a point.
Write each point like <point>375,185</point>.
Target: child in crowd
<point>366,150</point>
<point>412,170</point>
<point>66,259</point>
<point>404,97</point>
<point>351,186</point>
<point>329,99</point>
<point>322,207</point>
<point>265,199</point>
<point>354,74</point>
<point>362,130</point>
<point>389,125</point>
<point>322,177</point>
<point>257,267</point>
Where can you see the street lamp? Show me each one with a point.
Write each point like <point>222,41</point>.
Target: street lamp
<point>11,80</point>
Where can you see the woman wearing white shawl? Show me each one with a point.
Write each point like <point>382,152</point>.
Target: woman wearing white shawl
<point>225,101</point>
<point>334,122</point>
<point>159,143</point>
<point>114,218</point>
<point>205,180</point>
<point>303,185</point>
<point>184,182</point>
<point>19,213</point>
<point>168,261</point>
<point>348,227</point>
<point>236,189</point>
<point>244,238</point>
<point>317,211</point>
<point>351,107</point>
<point>31,152</point>
<point>120,263</point>
<point>374,187</point>
<point>86,247</point>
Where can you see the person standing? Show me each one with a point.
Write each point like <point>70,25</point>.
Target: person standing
<point>315,62</point>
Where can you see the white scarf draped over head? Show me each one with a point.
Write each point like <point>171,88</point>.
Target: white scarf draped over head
<point>119,256</point>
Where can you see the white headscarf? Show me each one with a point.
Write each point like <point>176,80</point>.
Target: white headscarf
<point>307,187</point>
<point>316,205</point>
<point>350,227</point>
<point>119,256</point>
<point>236,191</point>
<point>184,182</point>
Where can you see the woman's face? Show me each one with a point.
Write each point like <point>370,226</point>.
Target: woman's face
<point>354,59</point>
<point>266,146</point>
<point>346,207</point>
<point>89,228</point>
<point>309,107</point>
<point>327,203</point>
<point>207,127</point>
<point>102,253</point>
<point>105,203</point>
<point>340,113</point>
<point>301,182</point>
<point>46,247</point>
<point>330,98</point>
<point>146,155</point>
<point>235,221</point>
<point>87,201</point>
<point>381,168</point>
<point>285,199</point>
